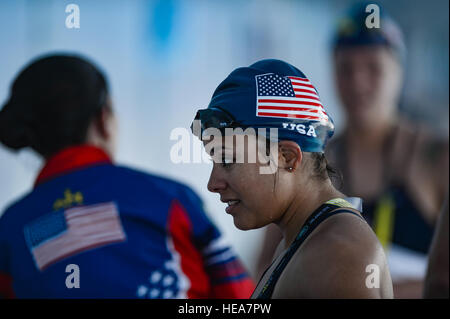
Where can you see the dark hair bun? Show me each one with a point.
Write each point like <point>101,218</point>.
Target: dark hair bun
<point>52,102</point>
<point>14,131</point>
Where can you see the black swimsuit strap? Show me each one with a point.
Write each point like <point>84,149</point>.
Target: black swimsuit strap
<point>318,216</point>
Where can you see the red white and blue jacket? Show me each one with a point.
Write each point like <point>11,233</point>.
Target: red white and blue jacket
<point>130,235</point>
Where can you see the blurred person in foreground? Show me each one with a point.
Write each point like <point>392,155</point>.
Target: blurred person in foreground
<point>127,233</point>
<point>398,168</point>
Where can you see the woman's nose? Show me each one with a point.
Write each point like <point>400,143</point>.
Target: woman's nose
<point>216,182</point>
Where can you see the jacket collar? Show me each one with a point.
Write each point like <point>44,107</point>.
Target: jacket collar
<point>70,159</point>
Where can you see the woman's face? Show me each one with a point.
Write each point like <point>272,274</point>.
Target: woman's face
<point>368,81</point>
<point>253,199</point>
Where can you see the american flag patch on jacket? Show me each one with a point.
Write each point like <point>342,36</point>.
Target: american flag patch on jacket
<point>65,233</point>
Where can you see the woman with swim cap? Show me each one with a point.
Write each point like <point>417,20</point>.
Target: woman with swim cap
<point>128,233</point>
<point>327,250</point>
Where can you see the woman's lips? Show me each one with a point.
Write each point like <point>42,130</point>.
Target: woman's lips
<point>231,205</point>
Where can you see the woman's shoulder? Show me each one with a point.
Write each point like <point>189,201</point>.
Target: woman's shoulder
<point>342,235</point>
<point>425,143</point>
<point>421,159</point>
<point>333,261</point>
<point>165,184</point>
<point>138,187</point>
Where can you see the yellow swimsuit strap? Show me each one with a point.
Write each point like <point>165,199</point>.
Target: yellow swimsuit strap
<point>339,202</point>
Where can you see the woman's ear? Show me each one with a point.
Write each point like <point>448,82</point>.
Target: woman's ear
<point>290,155</point>
<point>103,130</point>
<point>104,122</point>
